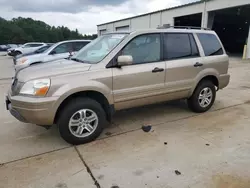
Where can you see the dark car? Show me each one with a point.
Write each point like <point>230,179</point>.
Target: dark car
<point>38,51</point>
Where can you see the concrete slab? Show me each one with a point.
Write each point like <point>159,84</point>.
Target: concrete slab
<point>28,140</point>
<point>61,169</point>
<point>6,67</point>
<point>24,139</point>
<point>199,147</point>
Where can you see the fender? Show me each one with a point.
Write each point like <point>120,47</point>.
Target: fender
<point>67,90</point>
<point>204,73</point>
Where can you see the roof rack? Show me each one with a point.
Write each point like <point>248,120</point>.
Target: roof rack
<point>167,26</point>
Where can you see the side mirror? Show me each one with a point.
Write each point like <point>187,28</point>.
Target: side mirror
<point>124,60</point>
<point>53,53</point>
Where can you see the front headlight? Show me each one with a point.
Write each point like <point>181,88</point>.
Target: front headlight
<point>36,87</point>
<point>22,61</point>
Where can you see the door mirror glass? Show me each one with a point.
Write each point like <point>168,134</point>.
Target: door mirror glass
<point>125,60</point>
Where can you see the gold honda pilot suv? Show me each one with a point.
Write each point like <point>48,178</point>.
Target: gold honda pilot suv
<point>118,71</point>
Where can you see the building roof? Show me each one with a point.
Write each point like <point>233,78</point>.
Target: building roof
<point>184,5</point>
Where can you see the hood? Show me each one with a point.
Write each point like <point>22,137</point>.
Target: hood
<point>10,49</point>
<point>22,55</point>
<point>50,69</point>
<point>17,48</point>
<point>32,57</point>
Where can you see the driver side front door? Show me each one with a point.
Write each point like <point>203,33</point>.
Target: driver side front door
<point>142,82</point>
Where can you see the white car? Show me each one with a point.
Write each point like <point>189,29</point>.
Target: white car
<point>57,51</point>
<point>26,48</point>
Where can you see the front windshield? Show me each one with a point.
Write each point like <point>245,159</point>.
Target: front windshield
<point>50,48</point>
<point>96,50</point>
<point>42,49</point>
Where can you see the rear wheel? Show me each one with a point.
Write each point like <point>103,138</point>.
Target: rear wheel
<point>203,97</point>
<point>81,121</point>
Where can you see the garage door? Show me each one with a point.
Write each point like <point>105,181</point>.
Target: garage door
<point>103,31</point>
<point>123,28</point>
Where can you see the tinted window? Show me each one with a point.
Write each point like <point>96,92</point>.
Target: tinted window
<point>31,45</point>
<point>63,48</point>
<point>35,45</point>
<point>195,51</point>
<point>177,46</point>
<point>210,44</point>
<point>79,45</point>
<point>42,49</point>
<point>144,48</point>
<point>27,46</point>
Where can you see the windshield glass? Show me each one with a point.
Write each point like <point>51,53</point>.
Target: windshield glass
<point>42,49</point>
<point>50,48</point>
<point>96,50</point>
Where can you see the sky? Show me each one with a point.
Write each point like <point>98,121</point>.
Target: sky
<point>82,14</point>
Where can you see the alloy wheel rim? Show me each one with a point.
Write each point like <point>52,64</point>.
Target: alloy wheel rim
<point>205,97</point>
<point>83,123</point>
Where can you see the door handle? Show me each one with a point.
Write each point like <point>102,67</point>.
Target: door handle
<point>198,64</point>
<point>156,69</point>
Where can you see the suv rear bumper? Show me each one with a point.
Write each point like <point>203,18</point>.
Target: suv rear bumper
<point>40,111</point>
<point>223,80</point>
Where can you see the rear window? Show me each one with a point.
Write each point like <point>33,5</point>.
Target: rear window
<point>210,44</point>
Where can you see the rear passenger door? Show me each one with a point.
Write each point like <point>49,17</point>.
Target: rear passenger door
<point>183,62</point>
<point>215,56</point>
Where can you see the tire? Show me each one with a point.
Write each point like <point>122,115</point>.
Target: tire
<point>71,112</point>
<point>195,104</point>
<point>17,53</point>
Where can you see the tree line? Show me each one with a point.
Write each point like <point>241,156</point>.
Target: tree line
<point>21,30</point>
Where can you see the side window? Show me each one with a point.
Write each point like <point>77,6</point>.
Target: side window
<point>35,45</point>
<point>63,48</point>
<point>42,49</point>
<point>79,45</point>
<point>177,45</point>
<point>195,51</point>
<point>210,44</point>
<point>144,48</point>
<point>27,46</point>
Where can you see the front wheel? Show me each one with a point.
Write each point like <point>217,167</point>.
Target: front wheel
<point>81,121</point>
<point>16,53</point>
<point>203,97</point>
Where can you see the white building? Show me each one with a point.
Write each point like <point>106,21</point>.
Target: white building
<point>229,18</point>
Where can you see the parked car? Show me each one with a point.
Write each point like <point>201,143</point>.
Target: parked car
<point>118,71</point>
<point>3,48</point>
<point>38,51</point>
<point>11,47</point>
<point>26,48</point>
<point>57,51</point>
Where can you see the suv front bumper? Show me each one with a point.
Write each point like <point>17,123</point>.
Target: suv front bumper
<point>40,111</point>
